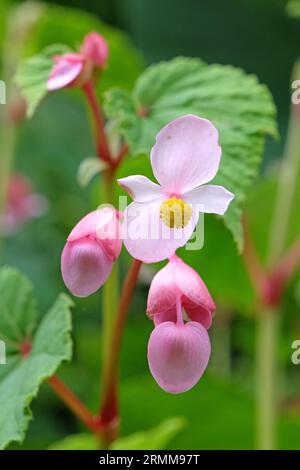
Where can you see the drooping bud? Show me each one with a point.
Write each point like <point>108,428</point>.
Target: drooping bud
<point>95,49</point>
<point>91,248</point>
<point>178,355</point>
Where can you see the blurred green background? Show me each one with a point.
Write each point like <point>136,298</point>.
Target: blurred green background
<point>256,35</point>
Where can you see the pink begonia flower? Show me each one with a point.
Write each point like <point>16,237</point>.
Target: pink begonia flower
<point>178,281</point>
<point>22,204</point>
<point>178,353</point>
<point>161,218</point>
<point>74,69</point>
<point>92,247</point>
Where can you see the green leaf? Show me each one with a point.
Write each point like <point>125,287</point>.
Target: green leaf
<point>34,351</point>
<point>240,107</point>
<point>88,168</point>
<point>77,442</point>
<point>33,74</point>
<point>154,439</point>
<point>293,8</point>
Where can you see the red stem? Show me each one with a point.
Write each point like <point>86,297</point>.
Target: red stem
<point>288,264</point>
<point>109,405</point>
<point>269,286</point>
<point>123,151</point>
<point>101,141</point>
<point>75,405</point>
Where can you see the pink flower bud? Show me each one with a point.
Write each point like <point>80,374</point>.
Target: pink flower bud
<point>178,355</point>
<point>91,248</point>
<point>178,281</point>
<point>95,49</point>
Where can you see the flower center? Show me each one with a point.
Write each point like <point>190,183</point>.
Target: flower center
<point>175,213</point>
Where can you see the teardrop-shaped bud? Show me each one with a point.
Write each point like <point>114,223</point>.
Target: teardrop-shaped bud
<point>178,355</point>
<point>95,49</point>
<point>91,248</point>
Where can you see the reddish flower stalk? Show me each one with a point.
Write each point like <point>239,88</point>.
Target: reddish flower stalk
<point>101,140</point>
<point>123,151</point>
<point>109,405</point>
<point>269,287</point>
<point>288,264</point>
<point>75,405</point>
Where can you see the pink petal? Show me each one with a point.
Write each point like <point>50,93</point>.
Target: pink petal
<point>140,188</point>
<point>166,316</point>
<point>65,71</point>
<point>210,199</point>
<point>186,154</point>
<point>196,299</point>
<point>92,222</point>
<point>176,281</point>
<point>178,355</point>
<point>95,49</point>
<point>108,232</point>
<point>200,315</point>
<point>163,294</point>
<point>104,224</point>
<point>85,266</point>
<point>147,238</point>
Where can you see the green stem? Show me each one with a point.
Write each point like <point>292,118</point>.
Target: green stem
<point>287,184</point>
<point>268,319</point>
<point>266,379</point>
<point>110,291</point>
<point>7,139</point>
<point>109,406</point>
<point>221,344</point>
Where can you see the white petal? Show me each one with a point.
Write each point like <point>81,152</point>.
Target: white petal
<point>209,198</point>
<point>140,188</point>
<point>186,154</point>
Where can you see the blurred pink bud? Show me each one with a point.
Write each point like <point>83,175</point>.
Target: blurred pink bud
<point>95,49</point>
<point>178,281</point>
<point>75,69</point>
<point>22,204</point>
<point>65,71</point>
<point>178,355</point>
<point>91,248</point>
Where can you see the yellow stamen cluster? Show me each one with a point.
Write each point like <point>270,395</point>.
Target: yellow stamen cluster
<point>175,213</point>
